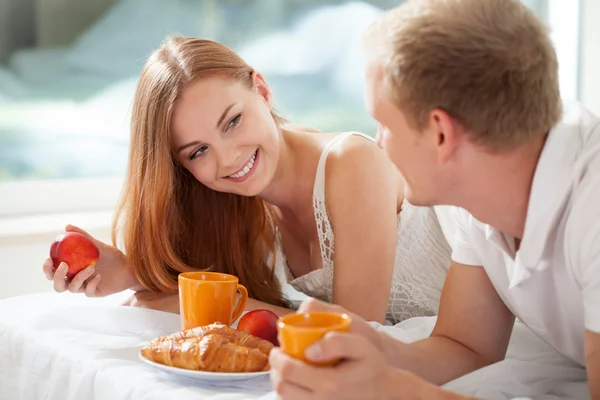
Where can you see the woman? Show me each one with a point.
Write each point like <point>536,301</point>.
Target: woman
<point>217,179</point>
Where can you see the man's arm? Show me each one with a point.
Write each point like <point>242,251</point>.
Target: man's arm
<point>364,374</point>
<point>592,361</point>
<point>473,330</point>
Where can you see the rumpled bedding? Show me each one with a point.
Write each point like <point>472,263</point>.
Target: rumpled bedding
<point>66,346</point>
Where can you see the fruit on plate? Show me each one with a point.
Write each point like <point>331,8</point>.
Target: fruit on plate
<point>74,249</point>
<point>260,323</point>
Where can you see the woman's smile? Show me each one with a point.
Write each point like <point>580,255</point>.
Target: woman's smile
<point>244,173</point>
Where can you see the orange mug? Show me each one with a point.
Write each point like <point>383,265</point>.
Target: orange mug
<point>298,331</point>
<point>209,297</point>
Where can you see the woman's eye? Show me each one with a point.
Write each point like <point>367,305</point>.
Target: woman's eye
<point>198,153</point>
<point>235,121</point>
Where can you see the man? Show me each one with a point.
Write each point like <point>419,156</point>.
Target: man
<point>467,96</point>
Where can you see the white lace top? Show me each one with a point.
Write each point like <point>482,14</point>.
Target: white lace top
<point>422,255</point>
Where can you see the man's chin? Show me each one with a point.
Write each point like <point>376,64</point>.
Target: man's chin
<point>417,200</point>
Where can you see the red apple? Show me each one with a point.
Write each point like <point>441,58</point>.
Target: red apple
<point>76,250</point>
<point>260,323</point>
<point>53,252</point>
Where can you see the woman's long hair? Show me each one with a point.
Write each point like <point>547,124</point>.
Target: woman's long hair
<point>168,221</point>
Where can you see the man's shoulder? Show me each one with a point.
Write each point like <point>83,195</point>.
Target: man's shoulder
<point>582,225</point>
<point>583,211</point>
<point>585,178</point>
<point>582,124</point>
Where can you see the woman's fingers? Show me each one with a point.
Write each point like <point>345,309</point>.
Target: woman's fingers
<point>91,288</point>
<point>77,284</point>
<point>49,269</point>
<point>60,277</point>
<point>73,228</point>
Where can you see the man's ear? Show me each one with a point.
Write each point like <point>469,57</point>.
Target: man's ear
<point>446,134</point>
<point>263,88</point>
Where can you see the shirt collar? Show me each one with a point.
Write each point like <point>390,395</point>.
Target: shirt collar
<point>550,190</point>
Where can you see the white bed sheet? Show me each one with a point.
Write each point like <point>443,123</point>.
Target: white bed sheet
<point>532,369</point>
<point>70,347</point>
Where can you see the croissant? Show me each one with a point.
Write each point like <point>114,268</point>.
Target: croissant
<point>233,335</point>
<point>213,348</point>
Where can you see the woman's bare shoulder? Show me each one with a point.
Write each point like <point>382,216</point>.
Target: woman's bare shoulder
<point>358,160</point>
<point>356,147</point>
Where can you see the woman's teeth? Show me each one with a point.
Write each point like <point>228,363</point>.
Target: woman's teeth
<point>246,168</point>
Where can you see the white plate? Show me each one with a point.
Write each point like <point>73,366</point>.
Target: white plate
<point>206,376</point>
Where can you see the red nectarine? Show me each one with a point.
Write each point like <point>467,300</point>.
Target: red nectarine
<point>76,250</point>
<point>260,323</point>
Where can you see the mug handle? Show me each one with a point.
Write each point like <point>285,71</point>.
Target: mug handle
<point>241,305</point>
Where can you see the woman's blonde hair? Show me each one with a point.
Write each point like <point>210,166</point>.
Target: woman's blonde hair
<point>169,222</point>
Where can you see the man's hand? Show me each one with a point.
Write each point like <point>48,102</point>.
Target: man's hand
<point>363,373</point>
<point>358,326</point>
<point>472,330</point>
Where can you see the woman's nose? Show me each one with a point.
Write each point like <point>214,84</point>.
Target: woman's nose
<point>227,157</point>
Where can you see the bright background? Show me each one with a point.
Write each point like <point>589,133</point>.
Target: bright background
<point>68,69</point>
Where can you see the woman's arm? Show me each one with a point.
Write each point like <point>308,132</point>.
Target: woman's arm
<point>259,305</point>
<point>362,192</point>
<point>170,303</point>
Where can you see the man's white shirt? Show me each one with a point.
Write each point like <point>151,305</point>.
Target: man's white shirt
<point>552,283</point>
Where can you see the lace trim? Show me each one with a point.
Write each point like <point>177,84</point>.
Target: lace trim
<point>326,240</point>
<point>407,301</point>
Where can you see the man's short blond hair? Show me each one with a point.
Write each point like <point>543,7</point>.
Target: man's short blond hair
<point>490,64</point>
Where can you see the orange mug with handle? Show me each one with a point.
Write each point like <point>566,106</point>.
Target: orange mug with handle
<point>209,297</point>
<point>298,331</point>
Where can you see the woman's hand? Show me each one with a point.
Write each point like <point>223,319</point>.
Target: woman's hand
<point>111,274</point>
<point>168,302</point>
